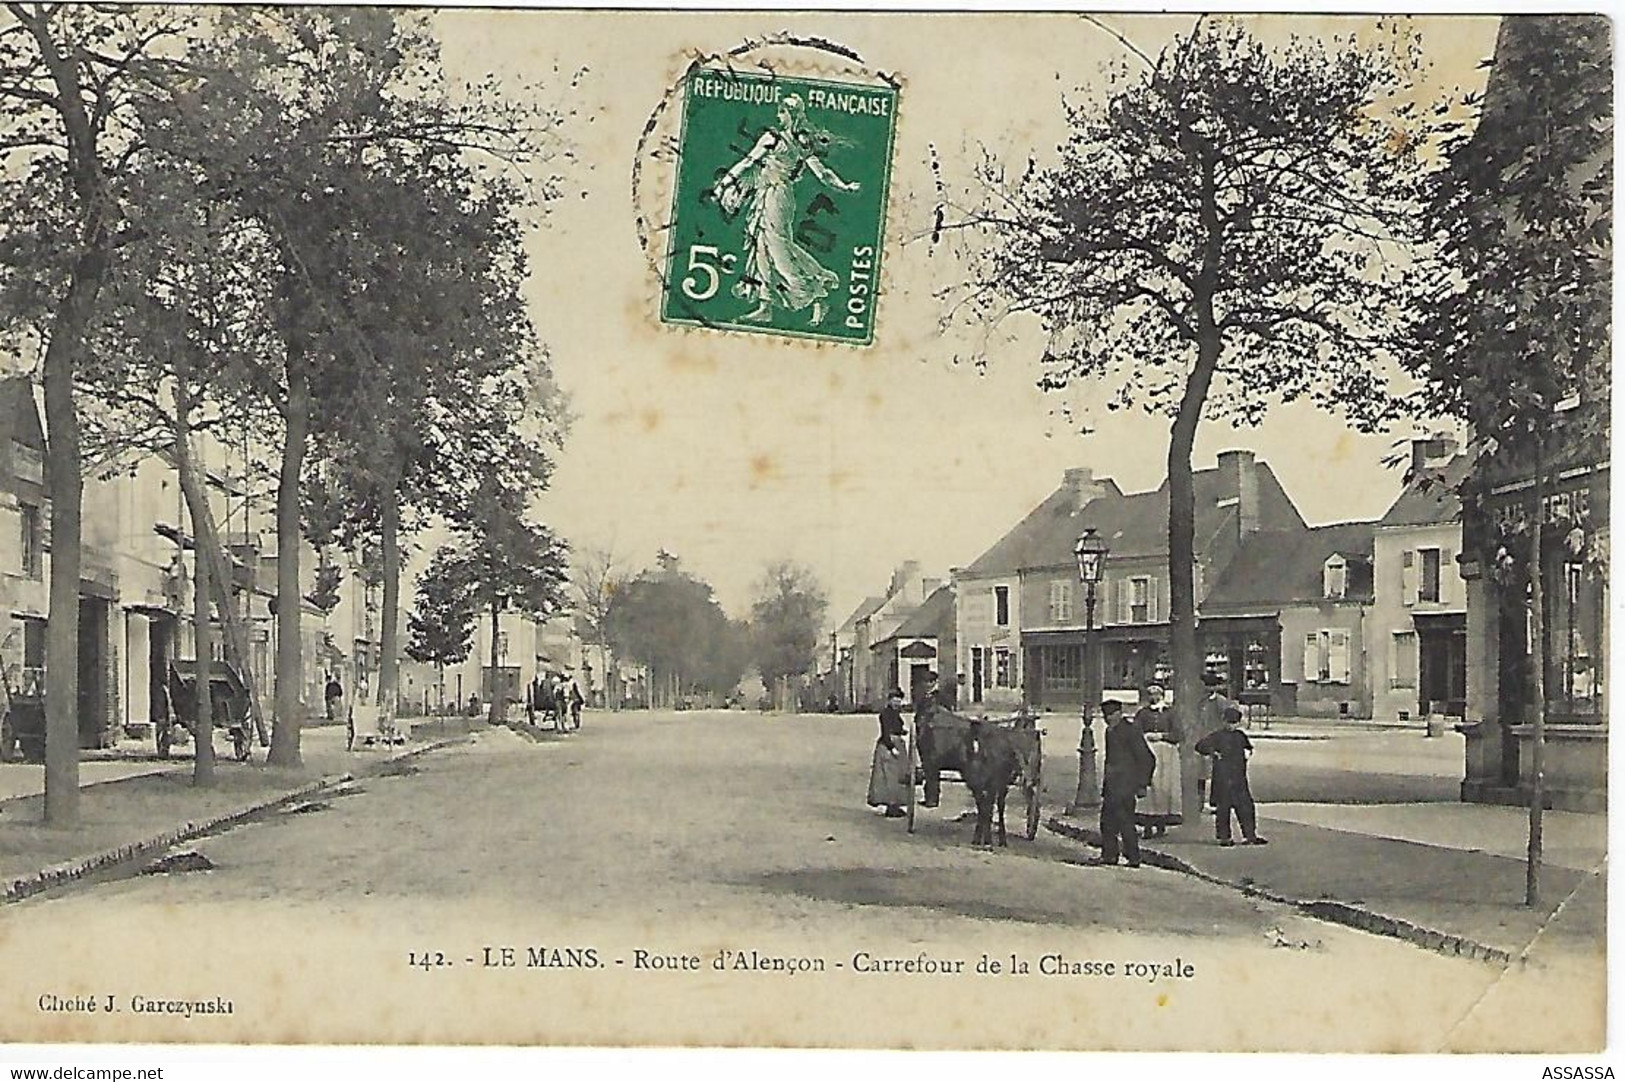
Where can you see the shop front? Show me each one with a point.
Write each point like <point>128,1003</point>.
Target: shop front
<point>1500,635</point>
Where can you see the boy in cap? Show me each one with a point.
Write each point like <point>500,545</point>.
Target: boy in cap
<point>1209,720</point>
<point>1229,748</point>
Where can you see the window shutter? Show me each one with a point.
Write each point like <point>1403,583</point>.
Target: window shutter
<point>1408,576</point>
<point>1125,596</point>
<point>1448,577</point>
<point>1152,601</point>
<point>1311,657</point>
<point>1337,656</point>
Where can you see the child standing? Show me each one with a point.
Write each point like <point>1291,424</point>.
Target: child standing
<point>1229,748</point>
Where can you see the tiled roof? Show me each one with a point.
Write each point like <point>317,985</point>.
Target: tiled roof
<point>864,610</point>
<point>1132,525</point>
<point>931,618</point>
<point>1283,567</point>
<point>1430,499</point>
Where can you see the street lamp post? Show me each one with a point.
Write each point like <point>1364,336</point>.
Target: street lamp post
<point>1091,553</point>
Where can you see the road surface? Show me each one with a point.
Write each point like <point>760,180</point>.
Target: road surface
<point>617,868</point>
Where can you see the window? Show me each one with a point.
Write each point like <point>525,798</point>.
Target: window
<point>1062,667</point>
<point>1407,565</point>
<point>1327,657</point>
<point>32,547</point>
<point>1428,590</point>
<point>1139,600</point>
<point>1402,660</point>
<point>1060,601</point>
<point>1337,578</point>
<point>1002,676</point>
<point>1001,606</point>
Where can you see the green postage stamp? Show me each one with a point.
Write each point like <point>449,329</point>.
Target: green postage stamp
<point>780,205</point>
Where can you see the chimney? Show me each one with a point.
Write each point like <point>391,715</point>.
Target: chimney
<point>1429,453</point>
<point>1080,481</point>
<point>1238,472</point>
<point>929,587</point>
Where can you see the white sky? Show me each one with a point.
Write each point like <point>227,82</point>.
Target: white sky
<point>732,450</point>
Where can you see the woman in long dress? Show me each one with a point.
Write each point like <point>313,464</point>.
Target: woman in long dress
<point>1159,808</point>
<point>778,271</point>
<point>888,775</point>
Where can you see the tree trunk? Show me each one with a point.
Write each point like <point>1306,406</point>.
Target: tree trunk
<point>289,603</point>
<point>64,482</point>
<point>496,705</point>
<point>202,535</point>
<point>1187,654</point>
<point>66,487</point>
<point>388,639</point>
<point>1537,683</point>
<point>203,725</point>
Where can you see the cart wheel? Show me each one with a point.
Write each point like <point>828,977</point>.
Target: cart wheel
<point>1034,790</point>
<point>913,779</point>
<point>164,737</point>
<point>240,744</point>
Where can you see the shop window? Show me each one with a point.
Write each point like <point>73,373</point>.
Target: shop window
<point>1402,659</point>
<point>1062,668</point>
<point>1256,674</point>
<point>1001,606</point>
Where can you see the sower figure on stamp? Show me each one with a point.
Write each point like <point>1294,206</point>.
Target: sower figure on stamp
<point>1229,748</point>
<point>778,270</point>
<point>925,709</point>
<point>1129,766</point>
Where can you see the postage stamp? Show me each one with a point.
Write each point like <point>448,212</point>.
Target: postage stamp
<point>778,213</point>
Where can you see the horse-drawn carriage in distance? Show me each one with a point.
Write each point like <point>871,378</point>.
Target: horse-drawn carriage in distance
<point>228,703</point>
<point>990,755</point>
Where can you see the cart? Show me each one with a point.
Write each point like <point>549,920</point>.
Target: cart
<point>947,737</point>
<point>228,701</point>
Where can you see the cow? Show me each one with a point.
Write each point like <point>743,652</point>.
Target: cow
<point>989,762</point>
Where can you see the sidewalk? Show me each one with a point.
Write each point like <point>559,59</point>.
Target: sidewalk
<point>1449,877</point>
<point>134,805</point>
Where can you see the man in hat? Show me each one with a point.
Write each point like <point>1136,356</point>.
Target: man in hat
<point>925,711</point>
<point>1129,765</point>
<point>1209,720</point>
<point>1228,749</point>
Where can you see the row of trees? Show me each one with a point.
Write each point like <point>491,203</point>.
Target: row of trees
<point>663,618</point>
<point>1234,224</point>
<point>284,225</point>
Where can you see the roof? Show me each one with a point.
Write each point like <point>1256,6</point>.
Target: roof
<point>1132,525</point>
<point>867,608</point>
<point>1429,498</point>
<point>19,413</point>
<point>1284,567</point>
<point>931,618</point>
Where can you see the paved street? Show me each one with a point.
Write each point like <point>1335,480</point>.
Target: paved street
<point>682,835</point>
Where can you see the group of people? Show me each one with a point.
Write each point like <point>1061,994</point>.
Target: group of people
<point>1140,790</point>
<point>556,697</point>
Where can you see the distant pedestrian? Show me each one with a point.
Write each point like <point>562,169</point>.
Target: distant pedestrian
<point>889,776</point>
<point>1128,772</point>
<point>576,702</point>
<point>1229,748</point>
<point>561,705</point>
<point>333,696</point>
<point>1159,808</point>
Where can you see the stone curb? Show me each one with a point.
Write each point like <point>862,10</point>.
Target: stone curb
<point>60,875</point>
<point>1333,912</point>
